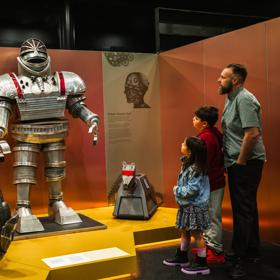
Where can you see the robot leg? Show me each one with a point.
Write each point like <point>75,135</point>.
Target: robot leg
<point>55,173</point>
<point>24,177</point>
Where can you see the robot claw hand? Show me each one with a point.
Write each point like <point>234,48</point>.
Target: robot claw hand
<point>7,234</point>
<point>93,129</point>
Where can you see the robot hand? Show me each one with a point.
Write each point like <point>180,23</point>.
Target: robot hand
<point>4,149</point>
<point>93,129</point>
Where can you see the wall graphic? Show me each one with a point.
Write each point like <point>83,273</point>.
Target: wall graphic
<point>118,58</point>
<point>132,117</point>
<point>135,88</point>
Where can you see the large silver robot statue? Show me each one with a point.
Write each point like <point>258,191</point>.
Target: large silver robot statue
<point>40,99</point>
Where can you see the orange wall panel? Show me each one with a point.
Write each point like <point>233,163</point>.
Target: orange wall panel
<point>271,192</point>
<point>181,91</point>
<point>257,47</point>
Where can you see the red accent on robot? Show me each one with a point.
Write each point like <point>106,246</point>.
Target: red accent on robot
<point>19,90</point>
<point>62,83</point>
<point>128,172</point>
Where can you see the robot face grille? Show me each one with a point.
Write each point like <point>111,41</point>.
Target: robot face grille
<point>34,55</point>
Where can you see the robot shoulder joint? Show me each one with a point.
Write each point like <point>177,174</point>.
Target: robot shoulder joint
<point>72,83</point>
<point>9,86</point>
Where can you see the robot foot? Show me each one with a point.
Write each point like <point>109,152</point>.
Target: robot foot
<point>62,214</point>
<point>7,234</point>
<point>28,222</point>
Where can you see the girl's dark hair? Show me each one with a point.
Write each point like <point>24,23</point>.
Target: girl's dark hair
<point>198,156</point>
<point>208,114</point>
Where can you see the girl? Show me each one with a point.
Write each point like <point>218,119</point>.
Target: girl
<point>192,196</point>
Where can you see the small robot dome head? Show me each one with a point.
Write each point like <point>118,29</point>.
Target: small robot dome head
<point>34,55</point>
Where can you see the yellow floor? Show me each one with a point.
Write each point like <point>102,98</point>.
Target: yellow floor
<point>24,257</point>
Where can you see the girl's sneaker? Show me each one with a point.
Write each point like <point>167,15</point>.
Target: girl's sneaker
<point>199,266</point>
<point>180,259</point>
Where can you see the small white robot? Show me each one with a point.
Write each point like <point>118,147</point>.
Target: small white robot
<point>135,198</point>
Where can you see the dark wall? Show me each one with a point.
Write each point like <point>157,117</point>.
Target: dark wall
<point>114,27</point>
<point>20,21</point>
<point>134,26</point>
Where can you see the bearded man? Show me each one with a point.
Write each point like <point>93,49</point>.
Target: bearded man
<point>244,156</point>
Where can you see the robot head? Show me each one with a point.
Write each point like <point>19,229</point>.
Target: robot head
<point>136,85</point>
<point>128,173</point>
<point>34,58</point>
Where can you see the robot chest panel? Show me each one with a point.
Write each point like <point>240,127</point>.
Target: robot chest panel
<point>40,100</point>
<point>38,85</point>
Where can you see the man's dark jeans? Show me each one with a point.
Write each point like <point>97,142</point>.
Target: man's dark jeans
<point>243,185</point>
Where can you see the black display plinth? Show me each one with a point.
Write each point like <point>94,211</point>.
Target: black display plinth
<point>52,228</point>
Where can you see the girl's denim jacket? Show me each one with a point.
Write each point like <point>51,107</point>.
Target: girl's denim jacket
<point>191,189</point>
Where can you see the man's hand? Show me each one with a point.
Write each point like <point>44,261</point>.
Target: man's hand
<point>238,162</point>
<point>93,129</point>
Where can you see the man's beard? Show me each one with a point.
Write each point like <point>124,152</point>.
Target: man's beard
<point>225,89</point>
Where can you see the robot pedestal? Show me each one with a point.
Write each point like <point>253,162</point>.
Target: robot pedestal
<point>137,201</point>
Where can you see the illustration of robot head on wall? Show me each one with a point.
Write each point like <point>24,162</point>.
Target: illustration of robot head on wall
<point>33,59</point>
<point>136,86</point>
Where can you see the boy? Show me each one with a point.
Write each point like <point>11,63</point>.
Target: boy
<point>204,121</point>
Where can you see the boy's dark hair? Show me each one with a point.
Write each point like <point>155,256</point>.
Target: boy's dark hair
<point>208,114</point>
<point>198,155</point>
<point>238,69</point>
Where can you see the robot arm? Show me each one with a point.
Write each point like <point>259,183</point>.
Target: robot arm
<point>75,88</point>
<point>8,90</point>
<point>5,112</point>
<point>77,108</point>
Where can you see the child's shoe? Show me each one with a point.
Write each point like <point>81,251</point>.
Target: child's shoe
<point>199,266</point>
<point>214,257</point>
<point>180,259</point>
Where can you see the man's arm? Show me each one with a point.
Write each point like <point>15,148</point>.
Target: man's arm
<point>251,135</point>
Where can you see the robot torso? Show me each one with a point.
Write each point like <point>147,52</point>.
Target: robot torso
<point>40,102</point>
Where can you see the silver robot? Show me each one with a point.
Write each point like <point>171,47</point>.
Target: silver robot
<point>40,99</point>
